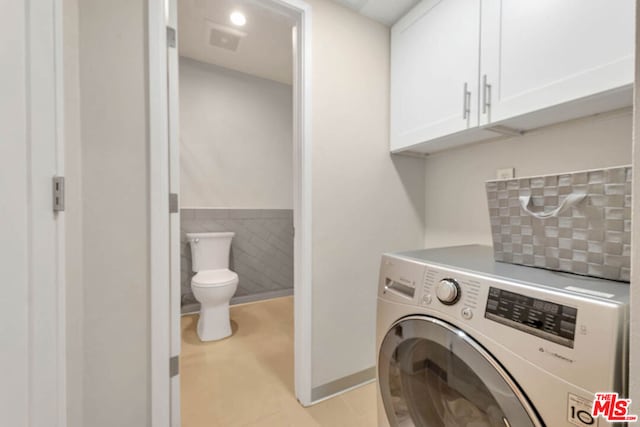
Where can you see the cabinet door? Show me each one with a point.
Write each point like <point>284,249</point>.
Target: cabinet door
<point>543,53</point>
<point>434,71</point>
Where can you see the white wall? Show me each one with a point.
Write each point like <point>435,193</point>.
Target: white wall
<point>364,201</point>
<point>236,146</point>
<point>113,100</point>
<point>456,207</point>
<point>15,208</point>
<point>73,214</point>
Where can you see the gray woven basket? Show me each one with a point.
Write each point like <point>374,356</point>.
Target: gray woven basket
<point>578,222</point>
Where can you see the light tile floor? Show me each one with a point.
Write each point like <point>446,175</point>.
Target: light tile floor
<point>246,380</point>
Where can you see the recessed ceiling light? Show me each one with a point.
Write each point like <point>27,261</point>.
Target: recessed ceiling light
<point>238,18</point>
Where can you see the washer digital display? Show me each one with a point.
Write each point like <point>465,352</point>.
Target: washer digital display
<point>545,319</point>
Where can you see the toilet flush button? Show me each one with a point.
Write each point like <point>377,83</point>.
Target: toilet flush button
<point>467,313</point>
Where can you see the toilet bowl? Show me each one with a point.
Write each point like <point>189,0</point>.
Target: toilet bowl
<point>214,284</point>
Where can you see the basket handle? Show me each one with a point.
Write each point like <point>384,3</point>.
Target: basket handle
<point>569,201</point>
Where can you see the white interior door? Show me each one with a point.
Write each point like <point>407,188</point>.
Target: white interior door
<point>174,188</point>
<point>14,308</point>
<point>32,353</point>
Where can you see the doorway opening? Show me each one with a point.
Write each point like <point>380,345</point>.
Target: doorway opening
<point>237,165</point>
<point>236,145</point>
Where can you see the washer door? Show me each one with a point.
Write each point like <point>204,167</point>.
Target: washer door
<point>433,375</point>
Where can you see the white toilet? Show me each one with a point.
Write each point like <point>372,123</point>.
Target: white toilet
<point>213,284</point>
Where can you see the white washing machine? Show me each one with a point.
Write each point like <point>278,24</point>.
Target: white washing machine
<point>464,341</point>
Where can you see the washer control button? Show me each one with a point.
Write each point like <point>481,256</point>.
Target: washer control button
<point>426,299</point>
<point>448,291</point>
<point>467,313</point>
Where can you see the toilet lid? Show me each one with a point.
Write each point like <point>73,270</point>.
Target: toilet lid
<point>214,277</point>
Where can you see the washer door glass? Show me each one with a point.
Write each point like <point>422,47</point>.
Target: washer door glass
<point>433,375</point>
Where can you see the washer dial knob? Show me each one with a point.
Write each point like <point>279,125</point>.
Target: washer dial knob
<point>448,291</point>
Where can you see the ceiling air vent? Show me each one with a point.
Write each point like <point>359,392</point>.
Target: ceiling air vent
<point>224,37</point>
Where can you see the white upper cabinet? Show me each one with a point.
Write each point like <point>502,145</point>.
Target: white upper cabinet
<point>434,71</point>
<point>545,53</point>
<point>524,64</point>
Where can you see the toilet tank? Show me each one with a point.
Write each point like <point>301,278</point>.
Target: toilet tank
<point>209,251</point>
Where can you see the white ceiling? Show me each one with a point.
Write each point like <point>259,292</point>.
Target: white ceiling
<point>384,11</point>
<point>263,51</point>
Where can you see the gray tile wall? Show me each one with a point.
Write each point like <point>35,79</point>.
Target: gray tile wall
<point>261,250</point>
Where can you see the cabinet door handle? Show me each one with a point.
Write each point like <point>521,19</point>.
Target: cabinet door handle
<point>466,101</point>
<point>486,95</point>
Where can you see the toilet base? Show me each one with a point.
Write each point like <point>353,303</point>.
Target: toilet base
<point>214,323</point>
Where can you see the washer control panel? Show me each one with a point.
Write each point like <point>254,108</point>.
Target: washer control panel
<point>464,296</point>
<point>545,319</point>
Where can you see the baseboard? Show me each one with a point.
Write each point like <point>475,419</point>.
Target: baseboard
<point>261,296</point>
<point>342,385</point>
<point>244,299</point>
<point>190,308</point>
